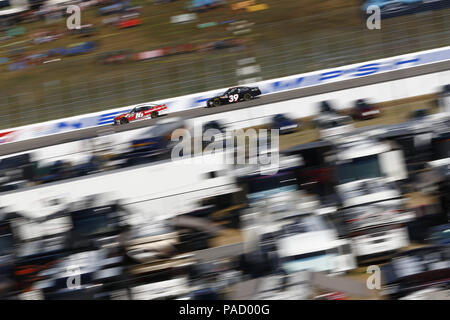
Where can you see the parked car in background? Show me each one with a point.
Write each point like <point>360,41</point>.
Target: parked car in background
<point>393,8</point>
<point>155,142</point>
<point>203,5</point>
<point>389,8</point>
<point>330,122</point>
<point>327,107</point>
<point>331,125</point>
<point>113,8</point>
<point>128,21</point>
<point>440,234</point>
<point>364,110</point>
<point>418,114</point>
<point>284,124</point>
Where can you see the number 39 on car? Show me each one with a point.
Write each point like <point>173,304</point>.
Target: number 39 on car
<point>234,95</point>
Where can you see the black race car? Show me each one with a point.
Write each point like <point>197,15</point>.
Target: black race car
<point>233,95</point>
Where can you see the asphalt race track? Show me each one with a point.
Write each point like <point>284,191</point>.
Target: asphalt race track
<point>14,147</point>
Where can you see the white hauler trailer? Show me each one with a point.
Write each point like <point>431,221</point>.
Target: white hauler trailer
<point>371,204</point>
<point>375,218</point>
<point>358,158</point>
<point>311,245</point>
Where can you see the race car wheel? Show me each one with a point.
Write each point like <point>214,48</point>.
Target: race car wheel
<point>154,114</point>
<point>123,120</point>
<point>247,96</point>
<point>216,102</point>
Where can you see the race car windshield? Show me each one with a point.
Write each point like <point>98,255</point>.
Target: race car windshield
<point>231,90</point>
<point>133,110</point>
<point>141,109</point>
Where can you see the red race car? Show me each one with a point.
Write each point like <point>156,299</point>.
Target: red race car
<point>140,113</point>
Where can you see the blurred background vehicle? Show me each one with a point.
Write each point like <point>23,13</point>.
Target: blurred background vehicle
<point>284,124</point>
<point>393,8</point>
<point>155,143</point>
<point>419,114</point>
<point>330,121</point>
<point>327,107</point>
<point>364,110</point>
<point>333,124</point>
<point>440,234</point>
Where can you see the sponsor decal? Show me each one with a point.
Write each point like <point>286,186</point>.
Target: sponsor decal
<point>6,136</point>
<point>107,118</point>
